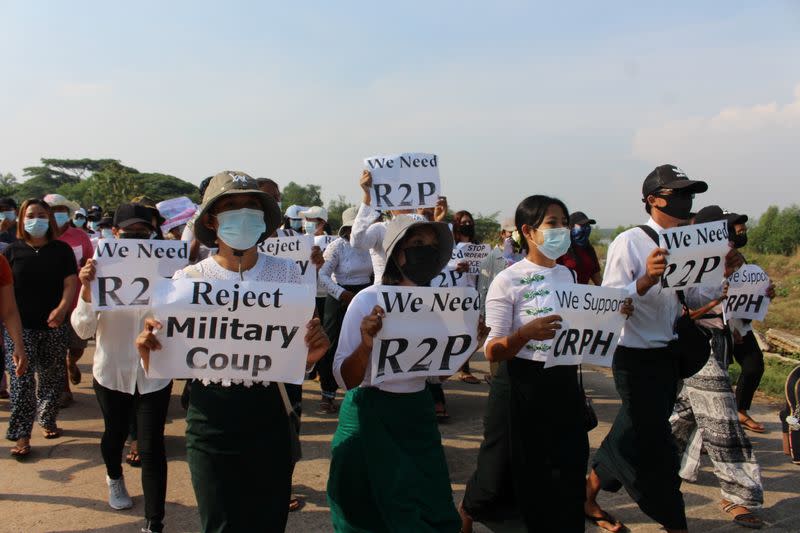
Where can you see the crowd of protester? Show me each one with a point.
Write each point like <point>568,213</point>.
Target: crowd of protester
<point>388,469</point>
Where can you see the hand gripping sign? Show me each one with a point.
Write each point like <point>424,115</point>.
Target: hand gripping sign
<point>404,181</point>
<point>426,332</point>
<point>127,269</point>
<point>213,329</point>
<point>696,255</point>
<point>298,249</point>
<point>747,294</point>
<point>591,324</point>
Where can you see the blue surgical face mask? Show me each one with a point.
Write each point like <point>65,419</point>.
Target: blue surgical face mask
<point>241,228</point>
<point>310,227</point>
<point>106,233</point>
<point>11,216</point>
<point>296,223</point>
<point>79,222</point>
<point>61,218</point>
<point>556,242</point>
<point>93,225</point>
<point>580,235</point>
<point>37,227</point>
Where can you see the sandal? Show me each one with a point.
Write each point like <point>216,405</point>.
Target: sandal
<point>53,433</point>
<point>74,372</point>
<point>21,452</point>
<point>327,406</point>
<point>605,517</point>
<point>469,378</point>
<point>441,412</point>
<point>745,519</point>
<point>133,458</point>
<point>751,425</point>
<point>295,504</point>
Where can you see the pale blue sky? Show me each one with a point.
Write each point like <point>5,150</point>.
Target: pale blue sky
<point>579,101</point>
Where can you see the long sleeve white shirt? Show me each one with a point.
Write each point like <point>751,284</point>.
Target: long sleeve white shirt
<point>344,265</point>
<point>366,234</point>
<point>652,324</point>
<point>350,338</point>
<point>116,360</point>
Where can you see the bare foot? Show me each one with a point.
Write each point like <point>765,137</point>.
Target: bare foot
<point>595,514</point>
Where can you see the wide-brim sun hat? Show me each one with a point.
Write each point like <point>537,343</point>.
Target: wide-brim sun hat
<point>228,183</point>
<point>58,200</point>
<point>399,226</point>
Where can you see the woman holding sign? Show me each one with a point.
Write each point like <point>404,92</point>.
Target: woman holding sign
<point>238,434</point>
<point>535,448</point>
<point>464,233</point>
<point>388,470</point>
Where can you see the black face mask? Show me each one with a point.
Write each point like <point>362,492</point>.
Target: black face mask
<point>422,264</point>
<point>739,240</point>
<point>678,205</point>
<point>467,231</point>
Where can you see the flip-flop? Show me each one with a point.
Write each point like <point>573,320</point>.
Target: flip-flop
<point>469,378</point>
<point>743,519</point>
<point>605,517</point>
<point>51,433</point>
<point>74,373</point>
<point>21,452</point>
<point>133,459</point>
<point>751,425</point>
<point>295,504</point>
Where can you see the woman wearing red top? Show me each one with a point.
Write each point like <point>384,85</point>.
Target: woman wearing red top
<point>581,257</point>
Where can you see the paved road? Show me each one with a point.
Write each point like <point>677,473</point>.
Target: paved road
<point>62,487</point>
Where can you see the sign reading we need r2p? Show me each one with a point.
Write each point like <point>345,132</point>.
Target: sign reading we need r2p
<point>696,255</point>
<point>404,181</point>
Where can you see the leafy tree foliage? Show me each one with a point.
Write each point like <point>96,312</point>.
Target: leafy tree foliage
<point>335,209</point>
<point>305,195</point>
<point>777,231</point>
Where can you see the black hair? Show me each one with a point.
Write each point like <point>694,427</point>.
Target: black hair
<point>327,228</point>
<point>457,218</point>
<point>203,185</point>
<point>8,202</point>
<point>531,211</point>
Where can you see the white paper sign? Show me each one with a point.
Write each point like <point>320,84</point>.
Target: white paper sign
<point>450,277</point>
<point>78,251</point>
<point>324,240</point>
<point>298,249</point>
<point>473,254</point>
<point>214,329</point>
<point>404,181</point>
<point>696,255</point>
<point>127,269</point>
<point>747,294</point>
<point>426,332</point>
<point>591,323</point>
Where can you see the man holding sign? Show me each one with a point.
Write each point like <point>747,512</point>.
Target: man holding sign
<point>236,426</point>
<point>388,469</point>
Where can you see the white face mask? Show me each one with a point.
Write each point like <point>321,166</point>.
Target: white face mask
<point>106,233</point>
<point>11,216</point>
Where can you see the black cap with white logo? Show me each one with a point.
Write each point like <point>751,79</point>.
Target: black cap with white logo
<point>670,177</point>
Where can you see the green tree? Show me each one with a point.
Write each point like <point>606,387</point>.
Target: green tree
<point>162,187</point>
<point>335,209</point>
<point>777,231</point>
<point>111,186</point>
<point>305,195</point>
<point>8,185</point>
<point>487,228</point>
<point>55,173</point>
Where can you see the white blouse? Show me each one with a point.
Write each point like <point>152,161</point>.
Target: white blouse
<point>344,265</point>
<point>350,338</point>
<point>366,234</point>
<point>519,294</point>
<point>267,268</point>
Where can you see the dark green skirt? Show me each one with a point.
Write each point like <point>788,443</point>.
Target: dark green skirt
<point>237,444</point>
<point>388,470</point>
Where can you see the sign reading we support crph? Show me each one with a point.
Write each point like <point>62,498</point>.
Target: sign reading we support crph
<point>696,255</point>
<point>426,332</point>
<point>127,269</point>
<point>591,323</point>
<point>298,249</point>
<point>231,330</point>
<point>747,294</point>
<point>404,181</point>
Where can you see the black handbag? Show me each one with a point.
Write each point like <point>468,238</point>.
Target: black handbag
<point>693,345</point>
<point>589,416</point>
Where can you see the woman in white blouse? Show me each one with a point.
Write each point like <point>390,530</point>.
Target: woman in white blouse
<point>344,274</point>
<point>535,448</point>
<point>237,434</point>
<point>121,386</point>
<point>388,470</point>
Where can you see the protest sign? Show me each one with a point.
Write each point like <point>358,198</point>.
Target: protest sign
<point>450,277</point>
<point>747,294</point>
<point>696,255</point>
<point>324,240</point>
<point>214,329</point>
<point>426,332</point>
<point>298,249</point>
<point>472,254</point>
<point>127,269</point>
<point>404,181</point>
<point>591,323</point>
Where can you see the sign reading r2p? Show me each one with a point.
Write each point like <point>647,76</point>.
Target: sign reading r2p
<point>426,332</point>
<point>747,294</point>
<point>404,181</point>
<point>127,269</point>
<point>696,255</point>
<point>298,249</point>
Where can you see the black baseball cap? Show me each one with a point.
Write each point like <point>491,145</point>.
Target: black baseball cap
<point>710,213</point>
<point>579,218</point>
<point>128,214</point>
<point>670,177</point>
<point>8,203</point>
<point>735,218</point>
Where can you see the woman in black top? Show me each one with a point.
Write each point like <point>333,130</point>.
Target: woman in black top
<point>45,280</point>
